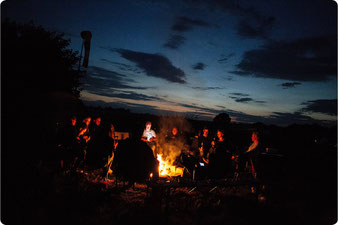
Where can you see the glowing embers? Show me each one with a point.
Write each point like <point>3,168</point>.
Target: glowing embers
<point>167,169</point>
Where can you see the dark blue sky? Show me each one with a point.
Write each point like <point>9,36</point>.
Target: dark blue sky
<point>259,61</point>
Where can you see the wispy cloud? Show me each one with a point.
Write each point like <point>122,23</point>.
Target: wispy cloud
<point>100,78</point>
<point>252,24</point>
<point>289,85</point>
<point>244,98</point>
<point>175,41</point>
<point>122,66</point>
<point>239,94</point>
<point>309,59</point>
<point>325,106</point>
<point>225,58</point>
<point>199,66</point>
<point>207,88</point>
<point>129,95</point>
<point>154,65</point>
<point>259,28</point>
<point>184,24</point>
<point>181,25</point>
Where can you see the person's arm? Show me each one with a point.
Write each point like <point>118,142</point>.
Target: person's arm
<point>81,132</point>
<point>154,136</point>
<point>252,147</point>
<point>143,138</point>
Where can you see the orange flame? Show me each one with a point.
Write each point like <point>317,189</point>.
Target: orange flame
<point>166,169</point>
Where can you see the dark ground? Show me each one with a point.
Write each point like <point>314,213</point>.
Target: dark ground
<point>54,197</point>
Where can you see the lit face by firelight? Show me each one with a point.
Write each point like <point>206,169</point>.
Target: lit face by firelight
<point>98,121</point>
<point>220,134</point>
<point>148,126</point>
<point>254,137</point>
<point>205,132</point>
<point>87,121</point>
<point>73,122</point>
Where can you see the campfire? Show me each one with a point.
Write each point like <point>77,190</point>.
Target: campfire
<point>166,169</point>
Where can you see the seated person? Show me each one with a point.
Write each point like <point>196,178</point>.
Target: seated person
<point>177,138</point>
<point>173,135</point>
<point>149,136</point>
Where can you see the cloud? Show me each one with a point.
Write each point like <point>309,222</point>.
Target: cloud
<point>289,118</point>
<point>325,106</point>
<point>100,78</point>
<point>252,23</point>
<point>138,108</point>
<point>309,59</point>
<point>289,84</point>
<point>130,95</point>
<point>199,66</point>
<point>204,113</point>
<point>184,24</point>
<point>237,99</point>
<point>175,41</point>
<point>258,29</point>
<point>244,98</point>
<point>225,58</point>
<point>207,88</point>
<point>229,78</point>
<point>239,94</point>
<point>122,66</point>
<point>154,65</point>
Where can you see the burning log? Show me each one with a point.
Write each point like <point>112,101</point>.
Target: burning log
<point>167,169</point>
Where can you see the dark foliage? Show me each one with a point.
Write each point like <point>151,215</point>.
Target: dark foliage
<point>37,60</point>
<point>38,86</point>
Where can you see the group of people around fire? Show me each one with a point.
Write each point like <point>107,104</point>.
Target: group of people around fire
<point>89,144</point>
<point>85,144</point>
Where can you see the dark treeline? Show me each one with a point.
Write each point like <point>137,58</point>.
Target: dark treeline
<point>295,139</point>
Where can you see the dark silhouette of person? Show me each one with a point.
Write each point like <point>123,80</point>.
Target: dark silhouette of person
<point>134,160</point>
<point>252,153</point>
<point>95,151</point>
<point>83,137</point>
<point>220,164</point>
<point>204,144</point>
<point>67,144</point>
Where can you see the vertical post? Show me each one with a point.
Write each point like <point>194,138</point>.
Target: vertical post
<point>80,56</point>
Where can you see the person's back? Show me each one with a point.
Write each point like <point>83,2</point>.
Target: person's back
<point>68,134</point>
<point>134,160</point>
<point>67,143</point>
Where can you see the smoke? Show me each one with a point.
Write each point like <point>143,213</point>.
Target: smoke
<point>171,149</point>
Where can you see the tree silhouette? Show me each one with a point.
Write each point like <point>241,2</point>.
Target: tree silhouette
<point>37,60</point>
<point>222,119</point>
<point>38,81</point>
